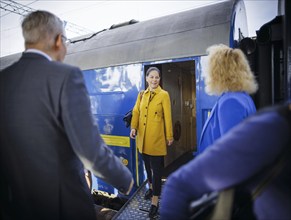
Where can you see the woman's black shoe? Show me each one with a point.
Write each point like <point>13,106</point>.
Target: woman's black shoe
<point>153,211</point>
<point>148,194</point>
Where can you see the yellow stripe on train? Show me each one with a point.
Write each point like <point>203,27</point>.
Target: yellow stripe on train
<point>113,140</point>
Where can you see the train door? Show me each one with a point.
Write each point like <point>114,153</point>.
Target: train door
<point>178,78</point>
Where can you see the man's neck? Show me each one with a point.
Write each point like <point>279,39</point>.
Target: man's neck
<point>41,48</point>
<point>33,50</point>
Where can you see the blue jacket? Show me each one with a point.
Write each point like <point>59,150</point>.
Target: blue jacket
<point>230,109</point>
<point>246,150</point>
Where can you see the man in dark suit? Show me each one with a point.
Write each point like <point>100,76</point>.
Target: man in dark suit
<point>47,132</point>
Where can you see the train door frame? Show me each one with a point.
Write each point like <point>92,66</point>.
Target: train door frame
<point>178,148</point>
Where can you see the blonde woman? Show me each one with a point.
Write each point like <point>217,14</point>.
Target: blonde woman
<point>151,125</point>
<point>228,76</point>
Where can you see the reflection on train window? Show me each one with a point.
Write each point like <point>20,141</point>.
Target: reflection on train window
<point>113,79</point>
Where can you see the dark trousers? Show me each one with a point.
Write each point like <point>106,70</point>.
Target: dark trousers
<point>154,166</point>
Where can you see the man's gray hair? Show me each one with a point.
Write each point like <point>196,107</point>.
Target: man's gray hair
<point>41,25</point>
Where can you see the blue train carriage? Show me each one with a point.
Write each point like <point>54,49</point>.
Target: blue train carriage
<point>114,62</point>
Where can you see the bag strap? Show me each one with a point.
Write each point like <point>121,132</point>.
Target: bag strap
<point>275,170</point>
<point>141,94</point>
<point>223,208</point>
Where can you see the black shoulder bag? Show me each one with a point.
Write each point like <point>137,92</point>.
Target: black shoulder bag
<point>128,115</point>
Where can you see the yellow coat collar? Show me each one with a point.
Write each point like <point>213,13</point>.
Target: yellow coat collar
<point>157,90</point>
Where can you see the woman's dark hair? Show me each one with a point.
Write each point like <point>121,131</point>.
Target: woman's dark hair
<point>153,68</point>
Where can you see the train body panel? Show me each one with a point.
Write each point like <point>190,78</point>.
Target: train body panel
<point>114,62</point>
<point>112,92</point>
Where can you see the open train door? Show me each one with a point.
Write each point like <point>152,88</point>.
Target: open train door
<point>179,81</point>
<point>178,78</point>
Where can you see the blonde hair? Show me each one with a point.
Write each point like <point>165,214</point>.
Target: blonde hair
<point>228,71</point>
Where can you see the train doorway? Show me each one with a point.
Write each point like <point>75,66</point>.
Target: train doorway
<point>178,78</point>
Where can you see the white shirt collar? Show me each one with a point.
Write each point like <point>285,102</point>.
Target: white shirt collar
<point>38,52</point>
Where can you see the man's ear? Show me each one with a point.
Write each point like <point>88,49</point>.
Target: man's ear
<point>58,41</point>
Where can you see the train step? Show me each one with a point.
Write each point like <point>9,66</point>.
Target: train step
<point>136,207</point>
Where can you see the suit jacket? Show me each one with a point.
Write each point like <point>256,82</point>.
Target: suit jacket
<point>230,109</point>
<point>47,133</point>
<point>153,121</point>
<point>243,156</point>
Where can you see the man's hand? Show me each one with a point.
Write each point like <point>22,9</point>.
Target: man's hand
<point>130,187</point>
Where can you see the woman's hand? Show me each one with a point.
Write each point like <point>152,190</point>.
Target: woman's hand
<point>132,133</point>
<point>170,142</point>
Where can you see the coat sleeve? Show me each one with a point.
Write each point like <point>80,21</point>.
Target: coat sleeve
<point>168,116</point>
<point>84,136</point>
<point>224,163</point>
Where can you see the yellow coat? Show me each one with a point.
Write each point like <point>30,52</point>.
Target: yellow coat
<point>152,119</point>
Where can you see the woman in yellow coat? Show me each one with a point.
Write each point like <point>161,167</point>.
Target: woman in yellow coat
<point>151,125</point>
